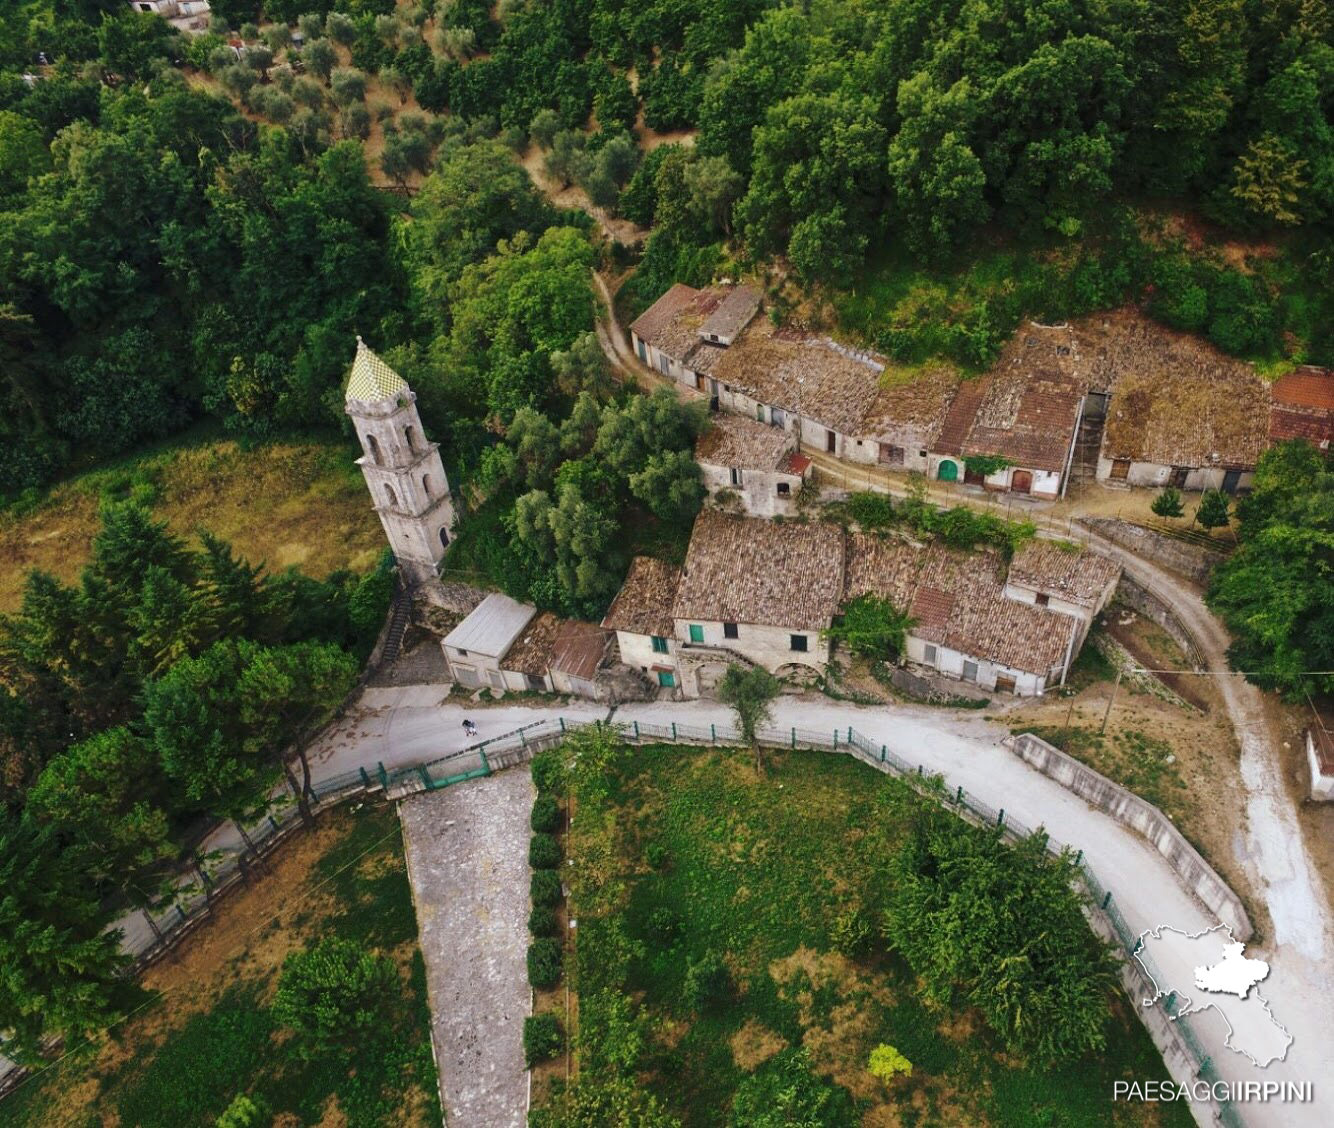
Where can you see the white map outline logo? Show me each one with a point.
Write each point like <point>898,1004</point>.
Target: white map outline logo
<point>1233,975</point>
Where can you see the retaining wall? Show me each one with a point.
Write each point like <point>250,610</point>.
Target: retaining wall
<point>1134,595</point>
<point>1196,874</point>
<point>1195,562</point>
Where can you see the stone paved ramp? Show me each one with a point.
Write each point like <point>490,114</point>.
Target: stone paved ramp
<point>467,850</point>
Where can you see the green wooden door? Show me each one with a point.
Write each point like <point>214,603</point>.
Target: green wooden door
<point>949,471</point>
<point>666,679</point>
<point>696,633</point>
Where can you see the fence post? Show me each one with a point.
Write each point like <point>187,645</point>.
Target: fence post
<point>673,730</point>
<point>426,776</point>
<point>273,824</point>
<point>1079,856</point>
<point>958,796</point>
<point>1107,900</point>
<point>486,764</point>
<point>836,740</point>
<point>849,734</point>
<point>794,737</point>
<point>713,734</point>
<point>384,776</point>
<point>919,771</point>
<point>562,723</point>
<point>523,739</point>
<point>365,779</point>
<point>636,730</point>
<point>1000,818</point>
<point>180,912</point>
<point>883,750</point>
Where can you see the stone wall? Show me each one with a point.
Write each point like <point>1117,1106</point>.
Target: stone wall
<point>1139,598</point>
<point>1196,874</point>
<point>1194,562</point>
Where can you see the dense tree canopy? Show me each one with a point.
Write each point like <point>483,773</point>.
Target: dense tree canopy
<point>1276,592</point>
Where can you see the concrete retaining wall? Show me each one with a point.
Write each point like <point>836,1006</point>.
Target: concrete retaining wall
<point>1192,561</point>
<point>1196,874</point>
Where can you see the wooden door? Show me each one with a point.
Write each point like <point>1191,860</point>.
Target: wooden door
<point>1021,481</point>
<point>830,440</point>
<point>1120,469</point>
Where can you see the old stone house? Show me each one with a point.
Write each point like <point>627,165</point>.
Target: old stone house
<point>476,649</point>
<point>751,466</point>
<point>641,616</point>
<point>1063,578</point>
<point>758,592</point>
<point>683,333</point>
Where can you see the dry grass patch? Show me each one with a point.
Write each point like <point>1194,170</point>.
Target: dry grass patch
<point>754,1044</point>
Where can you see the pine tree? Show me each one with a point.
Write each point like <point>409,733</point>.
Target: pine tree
<point>1168,503</point>
<point>1213,509</point>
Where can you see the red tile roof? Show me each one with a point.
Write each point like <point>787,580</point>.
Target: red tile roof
<point>1303,406</point>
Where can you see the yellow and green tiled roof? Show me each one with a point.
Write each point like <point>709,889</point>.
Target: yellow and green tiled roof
<point>372,380</point>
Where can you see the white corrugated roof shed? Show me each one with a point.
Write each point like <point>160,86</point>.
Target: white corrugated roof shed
<point>492,627</point>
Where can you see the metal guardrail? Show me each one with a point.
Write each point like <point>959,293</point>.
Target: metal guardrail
<point>194,901</point>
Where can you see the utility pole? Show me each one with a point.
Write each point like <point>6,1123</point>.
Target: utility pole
<point>800,380</point>
<point>1111,701</point>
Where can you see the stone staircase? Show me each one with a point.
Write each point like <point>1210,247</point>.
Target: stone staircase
<point>400,613</point>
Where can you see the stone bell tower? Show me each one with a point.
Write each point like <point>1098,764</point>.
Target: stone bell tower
<point>402,470</point>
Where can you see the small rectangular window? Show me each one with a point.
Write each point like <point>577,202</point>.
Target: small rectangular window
<point>799,643</point>
<point>736,476</point>
<point>1042,599</point>
<point>759,412</point>
<point>696,633</point>
<point>659,644</point>
<point>784,489</point>
<point>969,671</point>
<point>729,630</point>
<point>929,652</point>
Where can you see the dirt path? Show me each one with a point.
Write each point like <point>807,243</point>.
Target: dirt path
<point>615,342</point>
<point>467,851</point>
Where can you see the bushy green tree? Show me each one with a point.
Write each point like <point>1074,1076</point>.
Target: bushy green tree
<point>542,1038</point>
<point>334,994</point>
<point>1168,503</point>
<point>786,1091</point>
<point>751,694</point>
<point>872,627</point>
<point>1213,510</point>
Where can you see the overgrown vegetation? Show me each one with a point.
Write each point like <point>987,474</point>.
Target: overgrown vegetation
<point>168,685</point>
<point>1274,591</point>
<point>960,527</point>
<point>731,968</point>
<point>204,1047</point>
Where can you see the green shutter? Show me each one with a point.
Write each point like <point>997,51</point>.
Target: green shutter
<point>696,633</point>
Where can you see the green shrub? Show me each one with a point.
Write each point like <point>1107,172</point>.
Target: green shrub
<point>548,771</point>
<point>544,962</point>
<point>870,510</point>
<point>542,921</point>
<point>334,993</point>
<point>655,853</point>
<point>707,982</point>
<point>546,814</point>
<point>543,852</point>
<point>542,1038</point>
<point>545,888</point>
<point>663,926</point>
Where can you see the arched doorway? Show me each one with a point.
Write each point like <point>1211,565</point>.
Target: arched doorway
<point>948,472</point>
<point>1021,481</point>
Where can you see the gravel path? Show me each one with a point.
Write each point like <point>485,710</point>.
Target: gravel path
<point>467,849</point>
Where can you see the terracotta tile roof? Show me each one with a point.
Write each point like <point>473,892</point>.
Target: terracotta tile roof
<point>679,337</point>
<point>733,313</point>
<point>796,463</point>
<point>742,570</point>
<point>661,313</point>
<point>1075,575</point>
<point>1303,406</point>
<point>704,357</point>
<point>578,649</point>
<point>531,652</point>
<point>765,365</point>
<point>960,414</point>
<point>734,440</point>
<point>1030,410</point>
<point>1179,418</point>
<point>914,402</point>
<point>1176,399</point>
<point>644,603</point>
<point>958,601</point>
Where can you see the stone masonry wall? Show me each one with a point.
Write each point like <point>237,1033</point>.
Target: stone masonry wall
<point>1189,560</point>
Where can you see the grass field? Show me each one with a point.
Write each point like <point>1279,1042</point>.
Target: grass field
<point>206,1034</point>
<point>289,503</point>
<point>781,874</point>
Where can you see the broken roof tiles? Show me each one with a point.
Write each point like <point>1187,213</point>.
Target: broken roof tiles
<point>744,570</point>
<point>734,440</point>
<point>1072,574</point>
<point>1303,406</point>
<point>644,603</point>
<point>732,315</point>
<point>578,649</point>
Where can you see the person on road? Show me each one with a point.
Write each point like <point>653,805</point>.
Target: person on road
<point>469,729</point>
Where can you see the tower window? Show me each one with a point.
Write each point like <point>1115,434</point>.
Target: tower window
<point>426,484</point>
<point>444,537</point>
<point>410,433</point>
<point>391,496</point>
<point>374,448</point>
